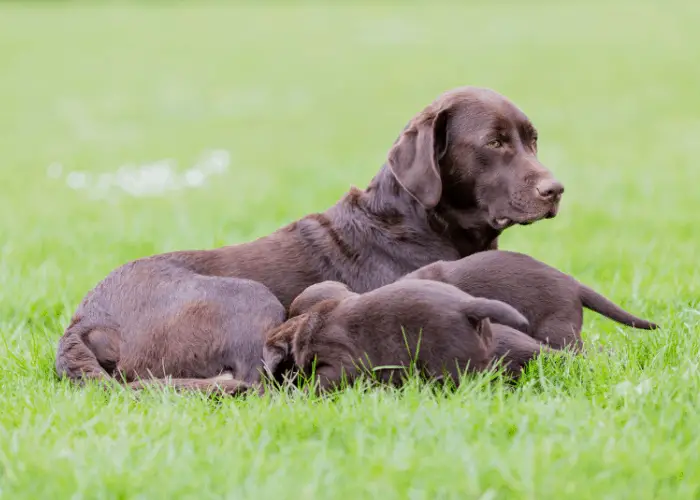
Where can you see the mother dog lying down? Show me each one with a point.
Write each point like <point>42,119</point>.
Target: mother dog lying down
<point>463,170</point>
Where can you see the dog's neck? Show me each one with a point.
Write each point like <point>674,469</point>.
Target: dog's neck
<point>466,229</point>
<point>400,234</point>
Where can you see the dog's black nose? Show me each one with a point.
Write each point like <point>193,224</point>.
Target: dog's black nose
<point>548,189</point>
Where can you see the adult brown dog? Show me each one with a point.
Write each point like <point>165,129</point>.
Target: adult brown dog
<point>552,301</point>
<point>463,170</point>
<point>338,334</point>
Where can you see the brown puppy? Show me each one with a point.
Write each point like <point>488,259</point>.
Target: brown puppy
<point>340,333</point>
<point>463,169</point>
<point>212,329</point>
<point>552,301</point>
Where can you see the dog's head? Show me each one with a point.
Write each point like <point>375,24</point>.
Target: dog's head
<point>315,294</point>
<point>281,352</point>
<point>472,150</point>
<point>290,346</point>
<point>278,359</point>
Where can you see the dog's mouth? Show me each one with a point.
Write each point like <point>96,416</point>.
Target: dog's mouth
<point>522,219</point>
<point>501,223</point>
<point>552,212</point>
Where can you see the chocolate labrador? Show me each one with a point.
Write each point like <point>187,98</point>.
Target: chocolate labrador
<point>463,170</point>
<point>552,301</point>
<point>339,334</point>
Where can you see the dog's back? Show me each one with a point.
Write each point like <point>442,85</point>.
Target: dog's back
<point>515,278</point>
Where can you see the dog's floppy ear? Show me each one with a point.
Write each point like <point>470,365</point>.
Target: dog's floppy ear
<point>278,345</point>
<point>483,329</point>
<point>478,308</point>
<point>414,157</point>
<point>303,342</point>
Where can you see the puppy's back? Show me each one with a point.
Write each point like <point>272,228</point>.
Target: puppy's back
<point>384,321</point>
<point>515,278</point>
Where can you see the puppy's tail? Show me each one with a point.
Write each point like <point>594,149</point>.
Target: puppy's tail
<point>221,385</point>
<point>500,312</point>
<point>602,305</point>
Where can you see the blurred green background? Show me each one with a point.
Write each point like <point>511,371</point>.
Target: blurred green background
<point>303,100</point>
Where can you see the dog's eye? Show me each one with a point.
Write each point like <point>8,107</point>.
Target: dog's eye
<point>495,144</point>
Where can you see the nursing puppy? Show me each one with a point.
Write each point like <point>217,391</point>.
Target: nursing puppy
<point>337,334</point>
<point>210,339</point>
<point>551,301</point>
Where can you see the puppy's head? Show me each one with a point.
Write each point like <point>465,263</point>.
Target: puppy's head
<point>277,351</point>
<point>291,345</point>
<point>472,150</point>
<point>315,294</point>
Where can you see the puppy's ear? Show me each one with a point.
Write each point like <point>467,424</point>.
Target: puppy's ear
<point>414,157</point>
<point>499,312</point>
<point>278,346</point>
<point>483,329</point>
<point>303,341</point>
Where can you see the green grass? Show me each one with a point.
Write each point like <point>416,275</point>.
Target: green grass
<point>308,99</point>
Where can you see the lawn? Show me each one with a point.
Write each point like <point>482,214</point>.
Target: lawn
<point>132,129</point>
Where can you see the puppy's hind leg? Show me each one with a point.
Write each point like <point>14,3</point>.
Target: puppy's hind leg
<point>76,360</point>
<point>560,334</point>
